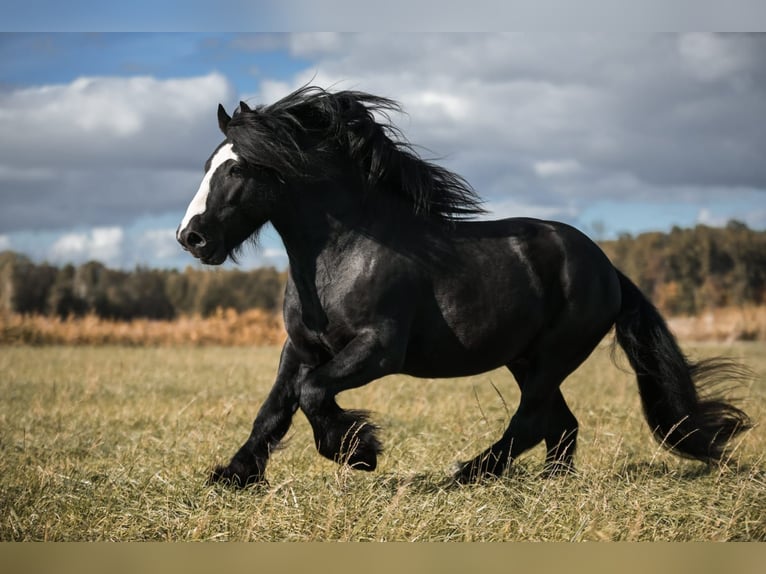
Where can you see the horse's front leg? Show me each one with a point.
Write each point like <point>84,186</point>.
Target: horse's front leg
<point>348,436</point>
<point>248,465</point>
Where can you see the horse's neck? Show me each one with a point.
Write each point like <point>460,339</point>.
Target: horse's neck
<point>312,237</point>
<point>317,227</point>
<point>306,233</point>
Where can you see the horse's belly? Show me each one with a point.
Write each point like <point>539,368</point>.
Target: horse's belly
<point>462,349</point>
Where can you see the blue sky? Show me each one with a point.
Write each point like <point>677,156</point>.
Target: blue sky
<point>103,136</point>
<point>56,58</point>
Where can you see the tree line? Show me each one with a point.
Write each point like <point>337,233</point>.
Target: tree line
<point>93,288</point>
<point>685,271</point>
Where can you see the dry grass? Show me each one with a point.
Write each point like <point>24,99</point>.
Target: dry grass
<point>728,324</point>
<point>257,327</point>
<point>225,327</point>
<point>114,443</point>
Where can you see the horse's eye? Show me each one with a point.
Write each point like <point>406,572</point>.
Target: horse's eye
<point>236,171</point>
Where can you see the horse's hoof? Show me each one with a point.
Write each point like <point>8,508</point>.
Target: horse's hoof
<point>476,471</point>
<point>363,459</point>
<point>487,466</point>
<point>350,439</point>
<point>463,473</point>
<point>364,447</point>
<point>236,476</point>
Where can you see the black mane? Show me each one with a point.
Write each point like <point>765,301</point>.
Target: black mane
<point>298,135</point>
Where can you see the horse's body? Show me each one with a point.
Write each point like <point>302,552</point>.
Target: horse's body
<point>386,277</point>
<point>506,282</point>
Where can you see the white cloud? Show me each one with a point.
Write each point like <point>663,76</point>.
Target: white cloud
<point>73,245</point>
<point>274,253</point>
<point>706,217</point>
<point>159,244</point>
<point>114,121</point>
<point>5,242</point>
<point>554,168</point>
<point>447,106</point>
<point>104,150</point>
<point>512,208</point>
<point>103,244</point>
<point>106,243</point>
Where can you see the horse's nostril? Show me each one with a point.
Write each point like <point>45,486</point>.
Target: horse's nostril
<point>195,240</point>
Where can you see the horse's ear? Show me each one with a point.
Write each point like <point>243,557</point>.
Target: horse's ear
<point>223,119</point>
<point>243,107</point>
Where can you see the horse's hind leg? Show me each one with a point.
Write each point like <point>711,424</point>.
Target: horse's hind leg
<point>561,429</point>
<point>526,429</point>
<point>542,414</point>
<point>560,437</point>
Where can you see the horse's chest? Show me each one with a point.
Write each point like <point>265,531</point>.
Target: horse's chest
<point>314,331</point>
<point>315,346</point>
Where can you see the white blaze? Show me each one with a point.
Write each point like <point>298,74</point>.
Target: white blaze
<point>198,203</point>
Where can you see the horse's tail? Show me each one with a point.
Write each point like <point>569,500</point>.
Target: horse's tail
<point>679,400</point>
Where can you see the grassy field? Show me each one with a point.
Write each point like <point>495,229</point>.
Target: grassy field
<point>114,443</point>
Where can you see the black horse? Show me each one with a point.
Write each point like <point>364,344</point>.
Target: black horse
<point>388,275</point>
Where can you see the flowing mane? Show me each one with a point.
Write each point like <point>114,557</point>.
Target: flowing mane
<point>296,135</point>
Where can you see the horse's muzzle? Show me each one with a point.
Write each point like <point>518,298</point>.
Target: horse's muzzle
<point>209,252</point>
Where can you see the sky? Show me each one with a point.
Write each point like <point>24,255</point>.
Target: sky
<point>103,136</point>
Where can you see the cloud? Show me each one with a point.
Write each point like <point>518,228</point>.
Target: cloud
<point>109,121</point>
<point>540,124</point>
<point>511,208</point>
<point>712,57</point>
<point>97,151</point>
<point>555,168</point>
<point>560,119</point>
<point>103,244</point>
<point>5,242</point>
<point>159,244</point>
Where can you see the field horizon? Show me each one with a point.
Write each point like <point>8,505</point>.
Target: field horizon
<point>258,327</point>
<point>115,443</point>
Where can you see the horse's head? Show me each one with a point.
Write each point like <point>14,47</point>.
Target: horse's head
<point>274,156</point>
<point>233,202</point>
